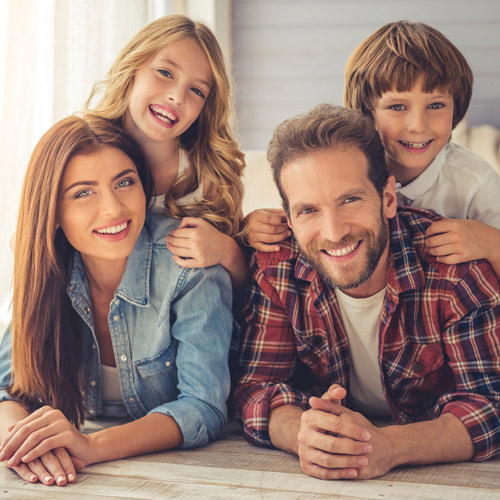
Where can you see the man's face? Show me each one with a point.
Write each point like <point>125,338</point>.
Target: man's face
<point>339,220</point>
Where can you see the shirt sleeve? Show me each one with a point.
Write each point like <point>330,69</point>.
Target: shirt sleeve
<point>267,362</point>
<point>484,204</point>
<point>472,345</point>
<point>202,324</point>
<point>5,365</point>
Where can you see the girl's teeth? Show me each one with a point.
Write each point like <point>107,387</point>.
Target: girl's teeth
<point>112,229</point>
<point>164,115</point>
<point>415,145</point>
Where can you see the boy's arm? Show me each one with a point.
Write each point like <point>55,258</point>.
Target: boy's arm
<point>454,241</point>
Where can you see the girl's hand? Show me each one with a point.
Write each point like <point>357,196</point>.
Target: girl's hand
<point>54,467</point>
<point>267,226</point>
<point>44,431</point>
<point>196,243</point>
<point>454,241</point>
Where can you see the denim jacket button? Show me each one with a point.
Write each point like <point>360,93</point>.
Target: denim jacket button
<point>123,357</point>
<point>117,301</point>
<point>131,399</point>
<point>168,363</point>
<point>87,310</point>
<point>116,318</point>
<point>92,383</point>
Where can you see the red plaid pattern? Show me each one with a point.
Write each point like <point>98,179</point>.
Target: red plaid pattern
<point>439,338</point>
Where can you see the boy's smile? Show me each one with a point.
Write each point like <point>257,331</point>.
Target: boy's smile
<point>414,127</point>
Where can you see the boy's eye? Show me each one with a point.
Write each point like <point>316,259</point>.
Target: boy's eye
<point>198,92</point>
<point>165,72</point>
<point>396,107</point>
<point>436,105</point>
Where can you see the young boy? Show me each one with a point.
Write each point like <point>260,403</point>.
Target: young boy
<point>417,86</point>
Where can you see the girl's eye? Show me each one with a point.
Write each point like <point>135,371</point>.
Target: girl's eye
<point>198,92</point>
<point>83,193</point>
<point>165,72</point>
<point>436,105</point>
<point>396,107</point>
<point>124,183</point>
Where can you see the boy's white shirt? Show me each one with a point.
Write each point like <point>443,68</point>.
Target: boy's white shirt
<point>458,184</point>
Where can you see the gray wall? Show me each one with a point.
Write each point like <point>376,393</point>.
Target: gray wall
<point>289,55</point>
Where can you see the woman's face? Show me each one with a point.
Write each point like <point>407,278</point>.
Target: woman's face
<point>102,205</point>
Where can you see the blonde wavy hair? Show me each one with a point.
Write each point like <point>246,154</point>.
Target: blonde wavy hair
<point>213,152</point>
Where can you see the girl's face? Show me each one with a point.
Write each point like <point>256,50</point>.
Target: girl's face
<point>169,92</point>
<point>102,205</point>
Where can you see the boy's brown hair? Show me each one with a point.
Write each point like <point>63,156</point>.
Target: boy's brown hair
<point>394,57</point>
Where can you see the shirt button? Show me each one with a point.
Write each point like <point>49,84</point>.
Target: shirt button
<point>93,346</point>
<point>123,357</point>
<point>92,412</point>
<point>168,363</point>
<point>92,383</point>
<point>131,399</point>
<point>116,318</point>
<point>87,310</point>
<point>418,367</point>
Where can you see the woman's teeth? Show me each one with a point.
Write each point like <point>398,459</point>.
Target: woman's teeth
<point>112,229</point>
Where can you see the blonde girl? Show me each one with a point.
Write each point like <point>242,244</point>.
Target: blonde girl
<point>169,90</point>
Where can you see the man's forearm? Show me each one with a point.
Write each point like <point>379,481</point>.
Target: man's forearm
<point>284,424</point>
<point>444,439</point>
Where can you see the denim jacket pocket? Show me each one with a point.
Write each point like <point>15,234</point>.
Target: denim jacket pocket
<point>159,377</point>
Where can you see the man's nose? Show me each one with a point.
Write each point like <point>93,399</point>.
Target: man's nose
<point>334,227</point>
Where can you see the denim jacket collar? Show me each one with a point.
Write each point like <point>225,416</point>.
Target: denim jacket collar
<point>135,283</point>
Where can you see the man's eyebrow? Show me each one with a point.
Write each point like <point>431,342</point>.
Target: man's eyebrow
<point>95,183</point>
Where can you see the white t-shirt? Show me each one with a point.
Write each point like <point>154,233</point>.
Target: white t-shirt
<point>112,400</point>
<point>157,206</point>
<point>361,319</point>
<point>458,184</point>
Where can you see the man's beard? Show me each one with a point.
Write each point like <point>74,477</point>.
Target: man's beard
<point>375,243</point>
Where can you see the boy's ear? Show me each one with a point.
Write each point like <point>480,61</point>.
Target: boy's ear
<point>389,198</point>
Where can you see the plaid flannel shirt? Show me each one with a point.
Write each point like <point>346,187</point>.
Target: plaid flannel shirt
<point>439,338</point>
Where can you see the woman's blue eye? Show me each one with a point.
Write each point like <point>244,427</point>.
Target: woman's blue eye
<point>124,183</point>
<point>198,92</point>
<point>83,193</point>
<point>166,73</point>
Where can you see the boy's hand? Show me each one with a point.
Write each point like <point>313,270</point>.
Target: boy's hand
<point>454,241</point>
<point>267,226</point>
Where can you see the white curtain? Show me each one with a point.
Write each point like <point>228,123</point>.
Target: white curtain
<point>51,53</point>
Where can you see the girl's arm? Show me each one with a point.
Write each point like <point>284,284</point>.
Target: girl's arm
<point>196,243</point>
<point>454,241</point>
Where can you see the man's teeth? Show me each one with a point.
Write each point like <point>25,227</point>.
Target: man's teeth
<point>164,115</point>
<point>415,145</point>
<point>112,229</point>
<point>340,252</point>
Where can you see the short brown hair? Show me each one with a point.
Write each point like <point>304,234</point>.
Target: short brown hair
<point>327,127</point>
<point>394,57</point>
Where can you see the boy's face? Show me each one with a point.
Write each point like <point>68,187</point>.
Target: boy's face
<point>414,127</point>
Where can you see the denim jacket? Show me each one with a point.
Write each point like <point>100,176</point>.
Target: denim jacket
<point>170,329</point>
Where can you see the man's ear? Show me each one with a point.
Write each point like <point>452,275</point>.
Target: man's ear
<point>389,198</point>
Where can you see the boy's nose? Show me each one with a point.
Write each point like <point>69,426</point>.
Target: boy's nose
<point>417,121</point>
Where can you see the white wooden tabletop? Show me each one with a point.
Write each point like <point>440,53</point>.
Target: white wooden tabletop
<point>232,469</point>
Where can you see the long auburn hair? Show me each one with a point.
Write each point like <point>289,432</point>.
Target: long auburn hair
<point>47,345</point>
<point>212,150</point>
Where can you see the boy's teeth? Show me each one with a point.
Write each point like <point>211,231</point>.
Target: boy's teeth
<point>342,251</point>
<point>416,145</point>
<point>112,229</point>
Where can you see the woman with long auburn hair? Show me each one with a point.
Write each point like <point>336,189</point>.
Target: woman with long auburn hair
<point>104,321</point>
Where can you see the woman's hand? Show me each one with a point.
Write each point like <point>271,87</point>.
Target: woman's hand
<point>41,435</point>
<point>54,467</point>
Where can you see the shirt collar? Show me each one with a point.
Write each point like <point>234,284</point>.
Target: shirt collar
<point>417,187</point>
<point>135,283</point>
